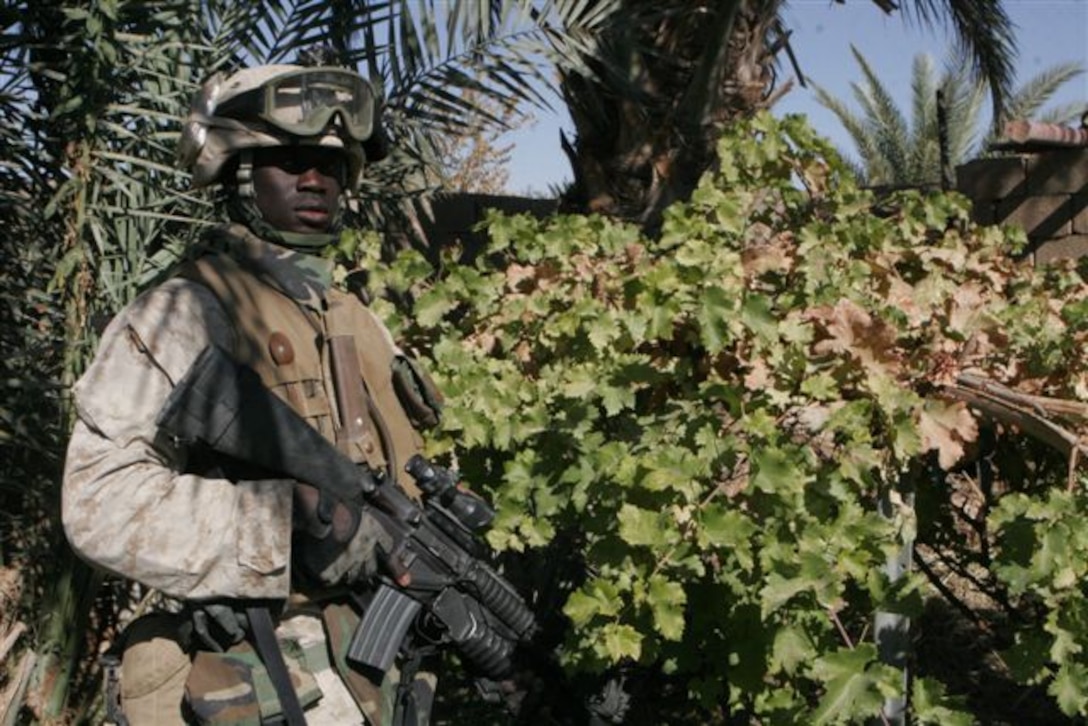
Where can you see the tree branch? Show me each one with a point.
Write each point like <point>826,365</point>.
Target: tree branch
<point>1037,416</point>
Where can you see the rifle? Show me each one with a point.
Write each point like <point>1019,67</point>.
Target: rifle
<point>438,562</point>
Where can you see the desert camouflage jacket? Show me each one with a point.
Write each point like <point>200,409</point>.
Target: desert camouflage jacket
<point>126,505</point>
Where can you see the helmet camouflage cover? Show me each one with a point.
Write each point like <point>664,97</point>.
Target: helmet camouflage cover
<point>280,105</point>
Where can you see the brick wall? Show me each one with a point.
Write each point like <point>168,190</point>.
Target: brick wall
<point>1045,192</point>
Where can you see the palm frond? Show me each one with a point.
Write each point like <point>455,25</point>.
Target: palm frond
<point>923,87</point>
<point>890,155</point>
<point>884,119</point>
<point>921,152</point>
<point>1066,114</point>
<point>963,99</point>
<point>1032,95</point>
<point>872,165</point>
<point>984,34</point>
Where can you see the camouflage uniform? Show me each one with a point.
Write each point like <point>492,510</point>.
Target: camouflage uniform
<point>137,505</point>
<point>133,505</point>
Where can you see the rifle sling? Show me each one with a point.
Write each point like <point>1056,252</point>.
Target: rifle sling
<point>352,398</point>
<point>264,639</point>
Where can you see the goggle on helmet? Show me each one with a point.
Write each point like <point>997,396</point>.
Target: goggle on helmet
<point>256,107</point>
<point>304,102</point>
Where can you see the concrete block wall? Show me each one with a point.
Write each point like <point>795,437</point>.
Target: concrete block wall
<point>1045,192</point>
<point>456,216</point>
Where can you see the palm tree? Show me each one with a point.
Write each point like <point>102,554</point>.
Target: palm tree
<point>668,75</point>
<point>896,151</point>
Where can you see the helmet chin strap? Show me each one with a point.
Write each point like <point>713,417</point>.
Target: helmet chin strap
<point>242,208</point>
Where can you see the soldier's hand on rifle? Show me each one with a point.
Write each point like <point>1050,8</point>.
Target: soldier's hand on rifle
<point>335,544</point>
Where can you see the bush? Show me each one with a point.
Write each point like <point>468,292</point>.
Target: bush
<point>688,437</point>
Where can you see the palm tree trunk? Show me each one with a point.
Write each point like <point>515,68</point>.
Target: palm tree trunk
<point>644,141</point>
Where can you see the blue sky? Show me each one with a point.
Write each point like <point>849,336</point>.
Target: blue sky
<point>1048,32</point>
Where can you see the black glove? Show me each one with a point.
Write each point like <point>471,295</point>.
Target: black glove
<point>334,543</point>
<point>214,625</point>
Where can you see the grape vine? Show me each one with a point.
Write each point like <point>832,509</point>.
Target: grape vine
<point>703,424</point>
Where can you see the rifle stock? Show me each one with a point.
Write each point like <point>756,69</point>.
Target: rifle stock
<point>226,407</point>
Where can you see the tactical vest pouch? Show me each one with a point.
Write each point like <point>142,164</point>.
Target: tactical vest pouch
<point>376,699</point>
<point>397,699</point>
<point>416,392</point>
<point>153,671</point>
<point>233,687</point>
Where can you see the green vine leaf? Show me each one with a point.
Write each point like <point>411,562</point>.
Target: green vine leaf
<point>852,688</point>
<point>667,599</point>
<point>693,431</point>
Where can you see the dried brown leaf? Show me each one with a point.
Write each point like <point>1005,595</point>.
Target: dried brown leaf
<point>520,277</point>
<point>945,427</point>
<point>851,331</point>
<point>769,254</point>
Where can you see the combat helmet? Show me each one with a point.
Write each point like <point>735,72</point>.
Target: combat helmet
<point>280,105</point>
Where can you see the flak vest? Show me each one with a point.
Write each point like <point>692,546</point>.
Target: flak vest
<point>290,348</point>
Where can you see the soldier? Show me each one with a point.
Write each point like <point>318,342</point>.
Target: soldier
<point>285,142</point>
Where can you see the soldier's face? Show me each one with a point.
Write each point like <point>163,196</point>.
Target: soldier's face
<point>298,187</point>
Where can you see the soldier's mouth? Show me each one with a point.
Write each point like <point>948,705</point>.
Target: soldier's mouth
<point>311,209</point>
<point>313,217</point>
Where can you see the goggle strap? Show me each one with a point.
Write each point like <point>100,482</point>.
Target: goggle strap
<point>246,190</point>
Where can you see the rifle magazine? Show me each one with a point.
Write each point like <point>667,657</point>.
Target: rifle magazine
<point>383,628</point>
